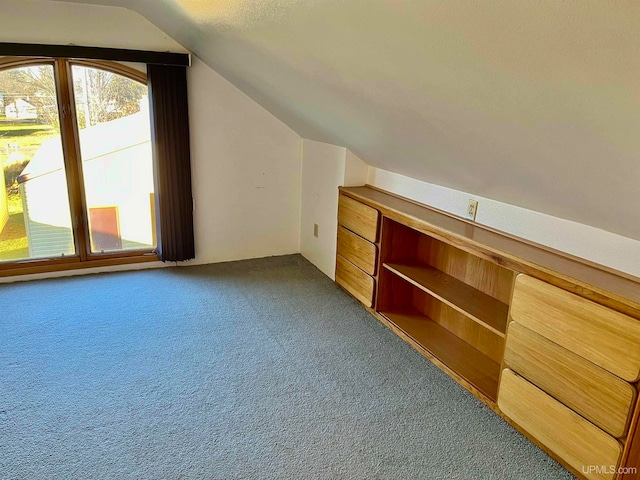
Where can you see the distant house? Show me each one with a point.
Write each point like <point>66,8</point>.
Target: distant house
<point>21,110</point>
<point>118,176</point>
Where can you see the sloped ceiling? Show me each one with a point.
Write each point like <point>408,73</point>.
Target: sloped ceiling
<point>531,102</point>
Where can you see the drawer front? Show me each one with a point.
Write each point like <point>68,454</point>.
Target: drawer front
<point>603,336</point>
<point>591,391</point>
<point>564,432</point>
<point>357,250</point>
<point>354,281</point>
<point>358,218</point>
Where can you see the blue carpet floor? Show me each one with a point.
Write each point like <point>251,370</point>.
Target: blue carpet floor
<point>259,369</point>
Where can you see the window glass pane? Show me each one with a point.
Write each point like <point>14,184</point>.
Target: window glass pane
<point>115,146</point>
<point>35,220</point>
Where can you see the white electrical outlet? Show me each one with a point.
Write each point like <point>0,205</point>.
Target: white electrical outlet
<point>472,209</point>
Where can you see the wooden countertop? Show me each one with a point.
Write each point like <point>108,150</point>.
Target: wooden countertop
<point>585,278</point>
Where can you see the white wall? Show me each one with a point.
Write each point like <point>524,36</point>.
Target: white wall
<point>577,239</point>
<point>325,167</point>
<point>246,173</point>
<point>245,163</point>
<point>37,21</point>
<point>355,170</point>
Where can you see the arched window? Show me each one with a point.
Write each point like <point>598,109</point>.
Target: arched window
<point>77,175</point>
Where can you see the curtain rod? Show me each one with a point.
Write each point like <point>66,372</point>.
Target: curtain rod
<point>95,53</point>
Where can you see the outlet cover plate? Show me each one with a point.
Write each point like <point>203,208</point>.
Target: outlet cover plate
<point>472,210</point>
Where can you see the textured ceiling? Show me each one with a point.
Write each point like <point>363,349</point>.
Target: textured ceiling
<point>531,102</point>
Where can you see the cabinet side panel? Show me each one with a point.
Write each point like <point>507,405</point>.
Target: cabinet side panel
<point>399,243</point>
<point>631,459</point>
<point>393,292</point>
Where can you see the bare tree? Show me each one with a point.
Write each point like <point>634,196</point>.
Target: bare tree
<point>104,96</point>
<point>100,95</point>
<point>34,85</point>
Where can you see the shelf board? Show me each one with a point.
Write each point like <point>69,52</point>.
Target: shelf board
<point>469,363</point>
<point>480,307</point>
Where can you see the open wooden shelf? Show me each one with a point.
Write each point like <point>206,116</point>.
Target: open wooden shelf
<point>445,286</point>
<point>480,307</point>
<point>478,369</point>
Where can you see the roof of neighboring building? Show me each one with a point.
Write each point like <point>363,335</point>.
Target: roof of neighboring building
<point>20,103</point>
<point>95,142</point>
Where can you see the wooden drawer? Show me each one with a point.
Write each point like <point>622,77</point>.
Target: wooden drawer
<point>591,391</point>
<point>358,217</point>
<point>564,432</point>
<point>354,281</point>
<point>357,250</point>
<point>603,336</point>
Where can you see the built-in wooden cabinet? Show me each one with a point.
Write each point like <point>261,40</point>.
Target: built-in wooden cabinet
<point>549,342</point>
<point>357,254</point>
<point>439,295</point>
<point>571,367</point>
<point>575,441</point>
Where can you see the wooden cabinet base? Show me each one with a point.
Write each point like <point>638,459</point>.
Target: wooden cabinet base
<point>569,377</point>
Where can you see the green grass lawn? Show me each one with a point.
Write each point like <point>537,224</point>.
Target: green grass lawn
<point>24,129</point>
<point>26,134</point>
<point>13,238</point>
<point>23,140</point>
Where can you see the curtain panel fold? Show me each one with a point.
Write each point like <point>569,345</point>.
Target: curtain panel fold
<point>170,143</point>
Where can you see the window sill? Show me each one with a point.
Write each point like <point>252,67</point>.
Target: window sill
<point>73,263</point>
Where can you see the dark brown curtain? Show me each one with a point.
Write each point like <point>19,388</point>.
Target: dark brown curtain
<point>170,140</point>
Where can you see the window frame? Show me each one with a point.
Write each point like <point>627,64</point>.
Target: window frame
<point>69,134</point>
